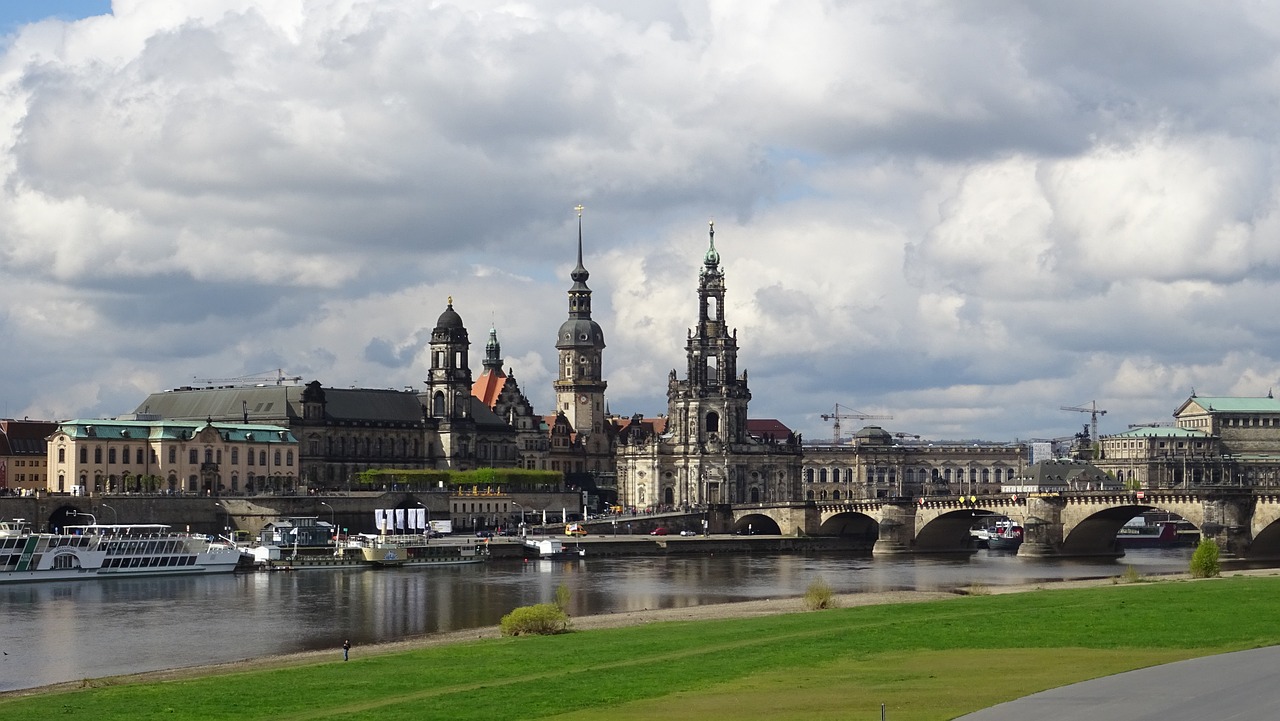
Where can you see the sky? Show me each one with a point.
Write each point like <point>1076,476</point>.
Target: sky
<point>963,216</point>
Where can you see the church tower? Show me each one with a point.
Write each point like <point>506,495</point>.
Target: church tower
<point>712,404</point>
<point>449,379</point>
<point>580,387</point>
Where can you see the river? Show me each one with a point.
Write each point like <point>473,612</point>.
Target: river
<point>56,632</point>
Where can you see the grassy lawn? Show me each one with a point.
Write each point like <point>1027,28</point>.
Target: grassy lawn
<point>932,660</point>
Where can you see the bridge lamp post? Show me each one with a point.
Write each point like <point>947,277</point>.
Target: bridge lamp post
<point>114,518</point>
<point>333,521</point>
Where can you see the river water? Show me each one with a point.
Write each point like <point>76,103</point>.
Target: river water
<point>56,632</point>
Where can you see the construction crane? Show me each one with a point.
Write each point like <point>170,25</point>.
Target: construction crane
<point>253,379</point>
<point>1094,411</point>
<point>836,416</point>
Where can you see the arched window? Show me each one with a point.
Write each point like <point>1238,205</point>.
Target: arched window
<point>755,495</point>
<point>835,475</point>
<point>808,476</point>
<point>288,458</point>
<point>713,422</point>
<point>437,404</point>
<point>822,475</point>
<point>277,458</point>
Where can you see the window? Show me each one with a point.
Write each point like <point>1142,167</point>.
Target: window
<point>138,456</point>
<point>84,455</point>
<point>277,458</point>
<point>173,454</point>
<point>249,456</point>
<point>62,455</point>
<point>262,458</point>
<point>97,454</point>
<point>193,457</point>
<point>235,459</point>
<point>289,458</point>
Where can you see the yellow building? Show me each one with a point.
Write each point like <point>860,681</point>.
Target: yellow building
<point>111,456</point>
<point>23,459</point>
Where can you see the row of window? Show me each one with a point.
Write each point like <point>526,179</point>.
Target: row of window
<point>211,455</point>
<point>945,475</point>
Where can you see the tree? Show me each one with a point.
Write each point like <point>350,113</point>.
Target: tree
<point>1204,562</point>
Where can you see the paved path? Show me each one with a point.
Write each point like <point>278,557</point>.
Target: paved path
<point>1242,686</point>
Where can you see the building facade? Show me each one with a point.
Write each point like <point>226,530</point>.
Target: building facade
<point>703,453</point>
<point>878,464</point>
<point>1214,441</point>
<point>208,458</point>
<point>24,462</point>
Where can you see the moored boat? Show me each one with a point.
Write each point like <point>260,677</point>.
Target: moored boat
<point>415,550</point>
<point>551,549</point>
<point>1006,538</point>
<point>108,551</point>
<point>1162,534</point>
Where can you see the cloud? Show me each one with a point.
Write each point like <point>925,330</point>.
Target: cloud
<point>961,216</point>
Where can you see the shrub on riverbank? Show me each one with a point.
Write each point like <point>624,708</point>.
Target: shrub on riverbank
<point>819,595</point>
<point>1204,562</point>
<point>544,619</point>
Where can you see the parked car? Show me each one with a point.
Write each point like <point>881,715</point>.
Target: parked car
<point>659,531</point>
<point>484,534</point>
<point>687,532</point>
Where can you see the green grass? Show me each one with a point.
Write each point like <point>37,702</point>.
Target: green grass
<point>926,661</point>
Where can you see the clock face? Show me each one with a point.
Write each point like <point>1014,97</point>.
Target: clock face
<point>582,399</point>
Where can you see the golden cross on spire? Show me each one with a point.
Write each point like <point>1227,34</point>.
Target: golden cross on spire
<point>578,208</point>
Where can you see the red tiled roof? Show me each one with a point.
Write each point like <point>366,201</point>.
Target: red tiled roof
<point>488,386</point>
<point>759,427</point>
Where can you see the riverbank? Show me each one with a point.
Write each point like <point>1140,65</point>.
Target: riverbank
<point>736,610</point>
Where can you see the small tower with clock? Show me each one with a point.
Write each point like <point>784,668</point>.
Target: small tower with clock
<point>579,385</point>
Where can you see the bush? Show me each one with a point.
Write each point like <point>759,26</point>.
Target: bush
<point>562,598</point>
<point>1204,562</point>
<point>819,595</point>
<point>544,619</point>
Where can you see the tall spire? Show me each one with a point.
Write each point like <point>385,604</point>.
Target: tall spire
<point>579,274</point>
<point>711,261</point>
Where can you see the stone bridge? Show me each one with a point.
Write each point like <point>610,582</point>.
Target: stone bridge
<point>1243,522</point>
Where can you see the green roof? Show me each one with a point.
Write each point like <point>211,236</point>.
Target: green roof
<point>1231,404</point>
<point>158,430</point>
<point>1160,432</point>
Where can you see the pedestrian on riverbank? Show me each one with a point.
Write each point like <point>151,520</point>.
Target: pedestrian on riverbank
<point>346,649</point>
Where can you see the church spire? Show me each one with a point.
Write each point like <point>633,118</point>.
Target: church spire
<point>493,352</point>
<point>580,274</point>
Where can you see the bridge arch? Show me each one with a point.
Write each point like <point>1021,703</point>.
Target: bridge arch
<point>850,524</point>
<point>759,524</point>
<point>949,531</point>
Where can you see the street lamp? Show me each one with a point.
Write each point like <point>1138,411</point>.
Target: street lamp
<point>522,526</point>
<point>333,521</point>
<point>114,517</point>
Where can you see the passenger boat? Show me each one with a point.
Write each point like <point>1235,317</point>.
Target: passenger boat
<point>551,549</point>
<point>1006,538</point>
<point>411,550</point>
<point>108,551</point>
<point>1163,534</point>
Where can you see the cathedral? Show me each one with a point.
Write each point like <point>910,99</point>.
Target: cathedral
<point>702,452</point>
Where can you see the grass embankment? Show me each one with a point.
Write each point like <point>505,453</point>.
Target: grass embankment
<point>931,660</point>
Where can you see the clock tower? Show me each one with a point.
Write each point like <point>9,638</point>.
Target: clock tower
<point>579,386</point>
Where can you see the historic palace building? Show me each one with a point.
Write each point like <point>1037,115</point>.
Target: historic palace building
<point>111,456</point>
<point>1226,441</point>
<point>877,464</point>
<point>702,452</point>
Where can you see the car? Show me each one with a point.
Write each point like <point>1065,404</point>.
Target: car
<point>659,531</point>
<point>484,534</point>
<point>687,532</point>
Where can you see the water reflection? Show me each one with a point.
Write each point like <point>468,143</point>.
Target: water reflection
<point>68,631</point>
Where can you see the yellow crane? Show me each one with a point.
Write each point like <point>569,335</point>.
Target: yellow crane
<point>835,417</point>
<point>279,379</point>
<point>1094,411</point>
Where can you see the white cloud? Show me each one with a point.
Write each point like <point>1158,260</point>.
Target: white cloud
<point>961,216</point>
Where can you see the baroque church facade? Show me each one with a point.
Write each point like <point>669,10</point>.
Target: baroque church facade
<point>702,452</point>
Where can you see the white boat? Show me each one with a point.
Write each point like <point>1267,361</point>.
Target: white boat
<point>414,549</point>
<point>108,551</point>
<point>551,548</point>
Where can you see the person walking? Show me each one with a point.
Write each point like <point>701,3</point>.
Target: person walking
<point>346,649</point>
